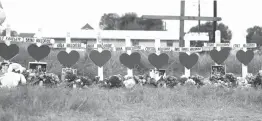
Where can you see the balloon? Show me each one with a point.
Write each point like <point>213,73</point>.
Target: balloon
<point>2,16</point>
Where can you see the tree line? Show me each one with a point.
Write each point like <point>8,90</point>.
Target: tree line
<point>131,21</point>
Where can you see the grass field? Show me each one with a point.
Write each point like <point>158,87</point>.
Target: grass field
<point>140,104</point>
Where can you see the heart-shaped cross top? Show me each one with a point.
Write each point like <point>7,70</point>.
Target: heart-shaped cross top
<point>221,56</point>
<point>38,53</point>
<point>188,61</point>
<point>68,59</point>
<point>158,61</point>
<point>245,57</point>
<point>100,59</point>
<point>8,52</point>
<point>130,60</point>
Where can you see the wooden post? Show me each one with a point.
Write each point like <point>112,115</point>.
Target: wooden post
<point>100,69</point>
<point>128,44</point>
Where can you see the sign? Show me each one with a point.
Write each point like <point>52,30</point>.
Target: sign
<point>218,70</point>
<point>189,49</point>
<point>66,70</point>
<point>38,66</point>
<point>12,39</point>
<point>27,40</point>
<point>217,45</point>
<point>165,49</point>
<point>72,46</point>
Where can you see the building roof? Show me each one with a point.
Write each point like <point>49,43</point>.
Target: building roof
<point>87,27</point>
<point>26,35</point>
<point>114,34</point>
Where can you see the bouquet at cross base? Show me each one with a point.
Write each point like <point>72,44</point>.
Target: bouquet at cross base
<point>41,78</point>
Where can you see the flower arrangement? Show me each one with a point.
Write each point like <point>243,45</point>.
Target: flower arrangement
<point>47,79</point>
<point>198,79</point>
<point>116,81</point>
<point>256,81</point>
<point>171,81</point>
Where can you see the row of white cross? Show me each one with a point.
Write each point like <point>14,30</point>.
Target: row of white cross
<point>188,38</point>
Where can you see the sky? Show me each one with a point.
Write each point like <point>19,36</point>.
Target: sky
<point>71,15</point>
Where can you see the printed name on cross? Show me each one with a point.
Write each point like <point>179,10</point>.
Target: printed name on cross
<point>184,49</point>
<point>250,45</point>
<point>222,44</point>
<point>118,48</point>
<point>61,45</point>
<point>164,49</point>
<point>13,39</point>
<point>218,45</point>
<point>137,48</point>
<point>177,49</point>
<point>196,49</point>
<point>105,46</point>
<point>128,48</point>
<point>29,40</point>
<point>44,41</point>
<point>65,70</point>
<point>74,45</point>
<point>90,46</point>
<point>150,49</point>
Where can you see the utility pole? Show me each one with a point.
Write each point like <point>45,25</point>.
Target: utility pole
<point>182,18</point>
<point>182,24</point>
<point>214,22</point>
<point>199,15</point>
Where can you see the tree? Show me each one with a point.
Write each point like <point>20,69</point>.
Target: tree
<point>109,21</point>
<point>254,35</point>
<point>13,33</point>
<point>226,33</point>
<point>129,21</point>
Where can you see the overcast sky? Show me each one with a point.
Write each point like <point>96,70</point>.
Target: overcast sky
<point>64,15</point>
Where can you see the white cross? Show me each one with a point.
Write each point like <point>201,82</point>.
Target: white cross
<point>191,37</point>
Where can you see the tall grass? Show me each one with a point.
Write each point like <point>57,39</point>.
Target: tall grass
<point>36,103</point>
